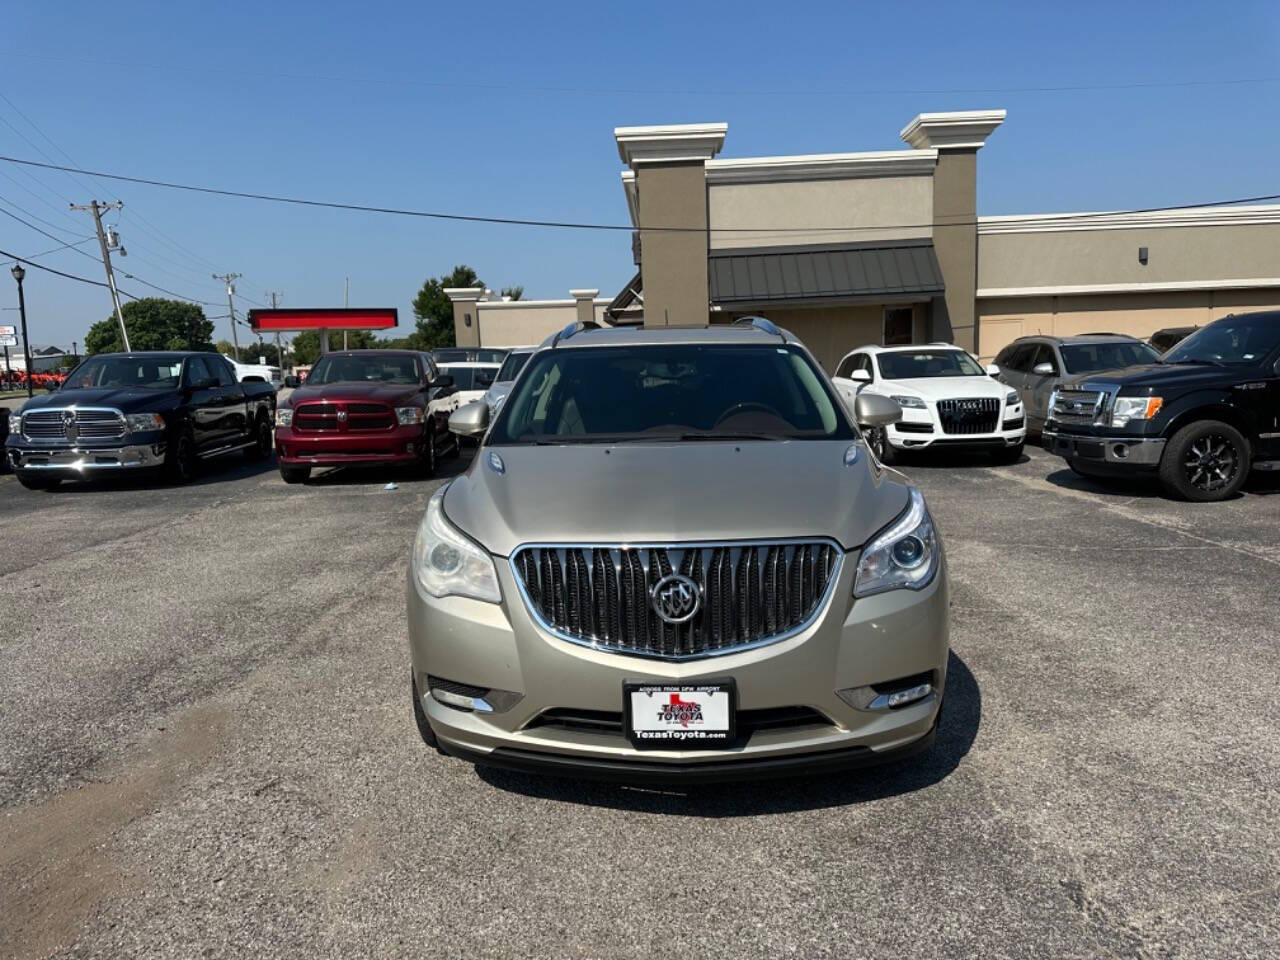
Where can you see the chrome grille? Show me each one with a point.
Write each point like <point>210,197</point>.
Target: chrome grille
<point>1078,406</point>
<point>353,417</point>
<point>750,594</point>
<point>98,423</point>
<point>969,415</point>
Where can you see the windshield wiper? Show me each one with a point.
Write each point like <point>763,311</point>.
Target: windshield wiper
<point>1202,362</point>
<point>711,435</point>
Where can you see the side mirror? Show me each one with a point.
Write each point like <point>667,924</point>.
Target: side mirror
<point>993,370</point>
<point>444,380</point>
<point>50,387</point>
<point>291,381</point>
<point>1043,370</point>
<point>204,383</point>
<point>872,410</point>
<point>862,376</point>
<point>473,419</point>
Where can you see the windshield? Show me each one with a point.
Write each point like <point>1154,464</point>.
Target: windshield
<point>910,364</point>
<point>1092,357</point>
<point>669,391</point>
<point>149,373</point>
<point>450,355</point>
<point>494,355</point>
<point>512,366</point>
<point>471,378</point>
<point>355,369</point>
<point>1234,341</point>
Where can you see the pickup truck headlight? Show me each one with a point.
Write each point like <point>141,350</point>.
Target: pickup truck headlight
<point>1134,408</point>
<point>15,423</point>
<point>406,416</point>
<point>284,416</point>
<point>447,563</point>
<point>142,422</point>
<point>914,402</point>
<point>1012,399</point>
<point>904,554</point>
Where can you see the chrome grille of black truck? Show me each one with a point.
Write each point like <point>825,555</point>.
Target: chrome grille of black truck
<point>73,423</point>
<point>749,594</point>
<point>968,416</point>
<point>1078,407</point>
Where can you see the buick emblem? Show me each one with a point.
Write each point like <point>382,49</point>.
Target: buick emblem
<point>69,428</point>
<point>675,598</point>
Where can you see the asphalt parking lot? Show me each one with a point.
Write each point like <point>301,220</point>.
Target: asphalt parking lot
<point>206,748</point>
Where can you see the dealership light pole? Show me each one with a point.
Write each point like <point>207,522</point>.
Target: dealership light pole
<point>20,274</point>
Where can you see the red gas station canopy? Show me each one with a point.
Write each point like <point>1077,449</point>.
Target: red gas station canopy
<point>322,318</point>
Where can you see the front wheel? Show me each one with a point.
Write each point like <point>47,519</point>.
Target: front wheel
<point>878,441</point>
<point>262,439</point>
<point>294,474</point>
<point>425,466</point>
<point>180,458</point>
<point>1205,461</point>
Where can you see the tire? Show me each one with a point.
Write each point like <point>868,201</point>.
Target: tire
<point>425,467</point>
<point>294,474</point>
<point>36,481</point>
<point>1205,461</point>
<point>262,440</point>
<point>879,443</point>
<point>1008,454</point>
<point>455,447</point>
<point>420,718</point>
<point>180,458</point>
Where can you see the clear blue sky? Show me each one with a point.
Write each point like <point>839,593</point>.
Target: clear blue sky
<point>439,107</point>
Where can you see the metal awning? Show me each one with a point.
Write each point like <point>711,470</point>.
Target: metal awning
<point>816,273</point>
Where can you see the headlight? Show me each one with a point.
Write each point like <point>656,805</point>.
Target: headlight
<point>15,423</point>
<point>1012,399</point>
<point>447,563</point>
<point>1134,408</point>
<point>284,416</point>
<point>142,422</point>
<point>904,554</point>
<point>409,415</point>
<point>914,402</point>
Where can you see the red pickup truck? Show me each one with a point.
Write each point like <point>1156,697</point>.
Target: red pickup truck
<point>366,407</point>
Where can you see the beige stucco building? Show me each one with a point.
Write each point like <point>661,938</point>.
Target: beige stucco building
<point>887,247</point>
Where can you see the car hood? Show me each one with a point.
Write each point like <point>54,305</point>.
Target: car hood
<point>673,492</point>
<point>1183,375</point>
<point>385,392</point>
<point>943,388</point>
<point>126,399</point>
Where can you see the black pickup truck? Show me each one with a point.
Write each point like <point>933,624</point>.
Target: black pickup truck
<point>1200,418</point>
<point>139,411</point>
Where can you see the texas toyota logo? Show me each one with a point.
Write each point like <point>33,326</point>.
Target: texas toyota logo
<point>675,598</point>
<point>683,712</point>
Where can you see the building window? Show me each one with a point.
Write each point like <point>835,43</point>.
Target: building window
<point>897,325</point>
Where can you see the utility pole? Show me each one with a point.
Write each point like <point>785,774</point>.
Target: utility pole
<point>96,209</point>
<point>274,297</point>
<point>230,280</point>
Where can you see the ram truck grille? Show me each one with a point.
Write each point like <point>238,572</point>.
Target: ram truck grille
<point>339,416</point>
<point>71,424</point>
<point>969,415</point>
<point>747,594</point>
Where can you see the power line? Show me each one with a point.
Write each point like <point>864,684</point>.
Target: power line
<point>576,225</point>
<point>687,91</point>
<point>60,273</point>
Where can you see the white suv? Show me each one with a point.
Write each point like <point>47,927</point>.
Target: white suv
<point>947,400</point>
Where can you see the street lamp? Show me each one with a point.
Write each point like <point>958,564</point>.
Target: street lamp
<point>20,274</point>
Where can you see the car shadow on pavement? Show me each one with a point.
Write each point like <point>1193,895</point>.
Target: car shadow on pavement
<point>215,471</point>
<point>961,717</point>
<point>361,476</point>
<point>951,459</point>
<point>1144,487</point>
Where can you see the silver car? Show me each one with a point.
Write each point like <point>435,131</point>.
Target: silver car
<point>674,558</point>
<point>496,395</point>
<point>1036,366</point>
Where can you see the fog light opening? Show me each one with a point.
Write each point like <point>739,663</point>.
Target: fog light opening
<point>901,698</point>
<point>1121,451</point>
<point>464,696</point>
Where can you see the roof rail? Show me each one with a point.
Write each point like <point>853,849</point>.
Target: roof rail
<point>573,329</point>
<point>761,323</point>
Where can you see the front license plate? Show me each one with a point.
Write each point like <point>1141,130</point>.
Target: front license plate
<point>680,716</point>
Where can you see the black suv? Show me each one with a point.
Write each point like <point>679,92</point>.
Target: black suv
<point>1199,418</point>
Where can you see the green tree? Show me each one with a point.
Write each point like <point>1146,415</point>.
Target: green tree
<point>434,310</point>
<point>305,349</point>
<point>514,293</point>
<point>154,323</point>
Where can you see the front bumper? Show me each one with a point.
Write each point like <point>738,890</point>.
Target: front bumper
<point>1119,451</point>
<point>79,460</point>
<point>400,444</point>
<point>922,429</point>
<point>852,644</point>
